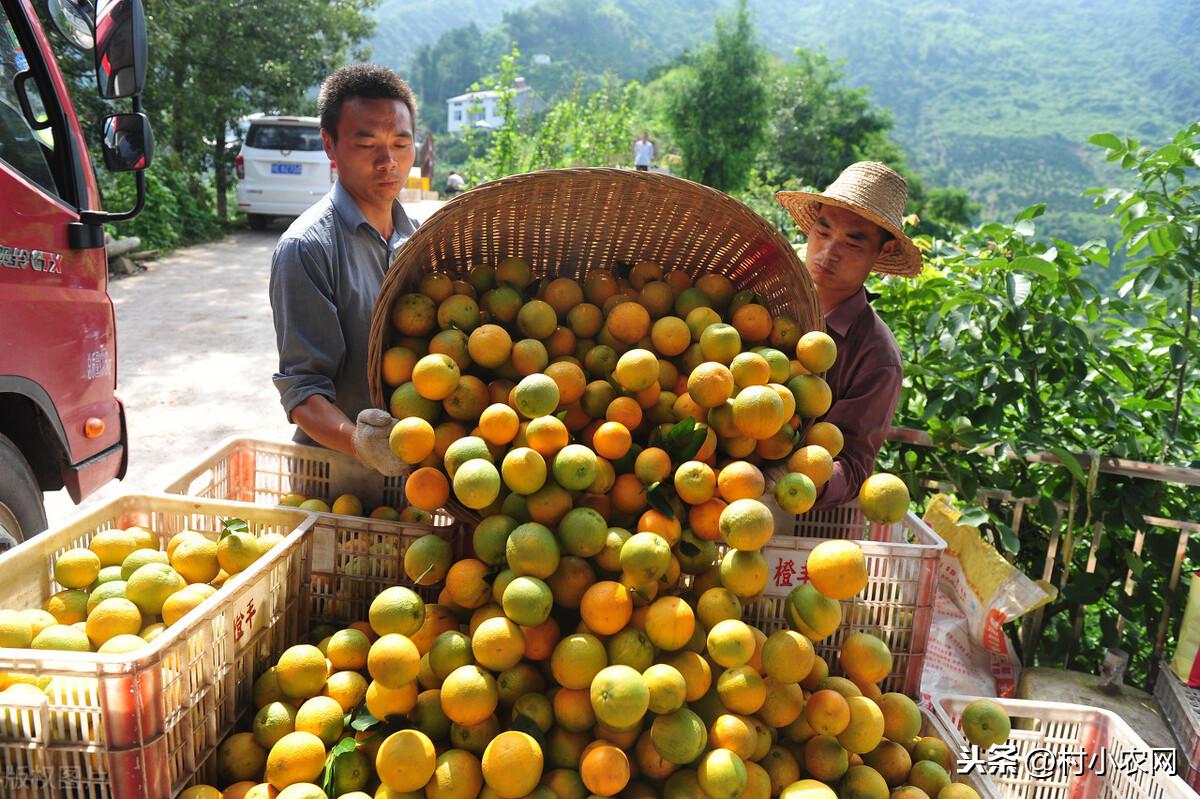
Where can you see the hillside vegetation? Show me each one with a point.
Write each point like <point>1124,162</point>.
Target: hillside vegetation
<point>998,99</point>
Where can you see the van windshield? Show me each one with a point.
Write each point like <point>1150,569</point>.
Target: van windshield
<point>284,137</point>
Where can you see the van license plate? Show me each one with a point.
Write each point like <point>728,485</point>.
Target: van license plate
<point>286,169</point>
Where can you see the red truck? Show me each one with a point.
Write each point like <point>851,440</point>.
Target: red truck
<point>61,424</point>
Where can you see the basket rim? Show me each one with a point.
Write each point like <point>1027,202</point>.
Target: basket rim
<point>430,233</point>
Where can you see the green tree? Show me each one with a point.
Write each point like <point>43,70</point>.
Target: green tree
<point>820,126</point>
<point>718,120</point>
<point>1160,232</point>
<point>213,62</point>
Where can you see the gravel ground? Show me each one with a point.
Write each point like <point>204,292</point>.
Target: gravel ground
<point>195,355</point>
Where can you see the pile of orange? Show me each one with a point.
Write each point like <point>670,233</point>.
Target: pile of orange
<point>614,439</point>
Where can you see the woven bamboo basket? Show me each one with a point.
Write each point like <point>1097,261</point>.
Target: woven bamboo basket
<point>569,222</point>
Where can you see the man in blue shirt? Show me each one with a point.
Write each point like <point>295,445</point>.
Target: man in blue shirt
<point>328,267</point>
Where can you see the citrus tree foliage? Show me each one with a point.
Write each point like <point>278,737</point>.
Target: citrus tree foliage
<point>1160,232</point>
<point>718,118</point>
<point>1008,345</point>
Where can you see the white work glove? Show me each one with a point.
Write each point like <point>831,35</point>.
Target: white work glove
<point>371,445</point>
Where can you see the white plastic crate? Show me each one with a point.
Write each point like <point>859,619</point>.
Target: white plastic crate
<point>934,727</point>
<point>1047,737</point>
<point>253,470</point>
<point>1180,705</point>
<point>897,604</point>
<point>137,725</point>
<point>341,564</point>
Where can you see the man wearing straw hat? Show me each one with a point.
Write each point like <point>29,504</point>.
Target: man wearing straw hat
<point>854,228</point>
<point>328,267</point>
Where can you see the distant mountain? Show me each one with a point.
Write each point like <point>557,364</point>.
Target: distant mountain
<point>404,25</point>
<point>997,98</point>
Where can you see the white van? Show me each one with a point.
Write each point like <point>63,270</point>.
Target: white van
<point>282,168</point>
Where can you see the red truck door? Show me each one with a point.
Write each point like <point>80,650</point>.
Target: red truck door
<point>57,334</point>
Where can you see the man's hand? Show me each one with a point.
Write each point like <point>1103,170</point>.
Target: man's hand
<point>371,443</point>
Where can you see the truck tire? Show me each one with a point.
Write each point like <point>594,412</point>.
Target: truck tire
<point>258,221</point>
<point>22,514</point>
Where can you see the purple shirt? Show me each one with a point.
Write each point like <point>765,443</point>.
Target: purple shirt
<point>865,381</point>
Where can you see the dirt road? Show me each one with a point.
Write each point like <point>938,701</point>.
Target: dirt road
<point>195,355</point>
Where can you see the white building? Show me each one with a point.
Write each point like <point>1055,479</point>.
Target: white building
<point>486,105</point>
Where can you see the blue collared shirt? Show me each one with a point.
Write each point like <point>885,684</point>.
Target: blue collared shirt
<point>325,277</point>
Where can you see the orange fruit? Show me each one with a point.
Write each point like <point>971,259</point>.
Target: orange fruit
<point>655,521</point>
<point>744,572</point>
<point>746,524</point>
<point>812,613</point>
<point>838,569</point>
<point>576,660</point>
<point>901,717</point>
<point>813,462</point>
<point>720,343</point>
<point>466,584</point>
<point>787,656</point>
<point>985,723</point>
<point>490,346</point>
<point>612,440</point>
<point>398,363</point>
<point>865,729</point>
<point>570,379</point>
<point>537,319</point>
<point>710,384</point>
<point>825,759</point>
<point>628,322</point>
<point>606,607</point>
<point>529,357</point>
<point>884,498</point>
<point>435,376</point>
<point>563,294</point>
<point>427,488</point>
<point>730,643</point>
<point>414,315</point>
<point>604,769</point>
<point>512,764</point>
<point>827,712</point>
<point>817,351</point>
<point>695,482</point>
<point>827,435</point>
<point>652,465</point>
<point>795,493</point>
<point>585,320</point>
<point>547,435</point>
<point>813,395</point>
<point>670,335</point>
<point>759,412</point>
<point>498,424</point>
<point>740,480</point>
<point>636,370</point>
<point>753,322</point>
<point>412,440</point>
<point>620,697</point>
<point>628,494</point>
<point>469,695</point>
<point>393,661</point>
<point>625,411</point>
<point>750,369</point>
<point>406,761</point>
<point>704,519</point>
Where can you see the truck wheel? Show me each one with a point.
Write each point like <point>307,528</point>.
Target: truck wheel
<point>258,221</point>
<point>21,512</point>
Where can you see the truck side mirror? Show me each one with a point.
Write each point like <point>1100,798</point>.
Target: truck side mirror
<point>120,48</point>
<point>74,20</point>
<point>128,142</point>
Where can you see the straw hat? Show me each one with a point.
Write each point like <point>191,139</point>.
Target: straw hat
<point>872,190</point>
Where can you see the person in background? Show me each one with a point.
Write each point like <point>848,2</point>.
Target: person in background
<point>455,183</point>
<point>643,153</point>
<point>329,266</point>
<point>855,227</point>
